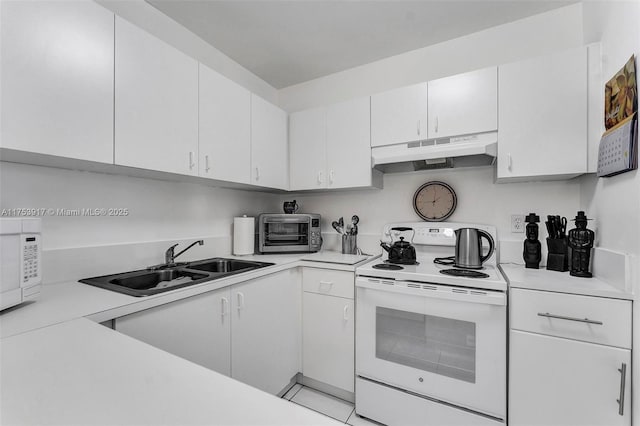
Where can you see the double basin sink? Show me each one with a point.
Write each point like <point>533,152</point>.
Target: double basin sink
<point>170,277</point>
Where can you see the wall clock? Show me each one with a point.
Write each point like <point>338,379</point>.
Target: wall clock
<point>435,201</point>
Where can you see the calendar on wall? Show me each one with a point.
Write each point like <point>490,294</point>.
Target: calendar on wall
<point>618,152</point>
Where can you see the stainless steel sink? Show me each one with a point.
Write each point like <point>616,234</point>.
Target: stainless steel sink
<point>223,265</point>
<point>147,282</point>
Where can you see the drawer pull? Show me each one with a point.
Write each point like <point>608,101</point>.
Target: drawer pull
<point>587,320</point>
<point>623,378</point>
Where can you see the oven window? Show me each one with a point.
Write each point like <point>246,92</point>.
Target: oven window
<point>286,234</point>
<point>438,345</point>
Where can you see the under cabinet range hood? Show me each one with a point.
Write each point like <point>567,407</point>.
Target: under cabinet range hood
<point>463,151</point>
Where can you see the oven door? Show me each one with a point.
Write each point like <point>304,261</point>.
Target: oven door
<point>279,233</point>
<point>446,343</point>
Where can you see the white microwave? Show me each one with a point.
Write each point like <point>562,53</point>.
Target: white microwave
<point>21,260</point>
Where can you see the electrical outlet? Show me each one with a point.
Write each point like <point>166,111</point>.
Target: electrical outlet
<point>517,223</point>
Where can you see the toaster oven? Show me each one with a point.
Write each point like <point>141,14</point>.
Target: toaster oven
<point>289,233</point>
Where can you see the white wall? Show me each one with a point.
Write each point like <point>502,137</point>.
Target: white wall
<point>537,35</point>
<point>160,25</point>
<point>479,201</point>
<point>160,214</point>
<point>615,201</point>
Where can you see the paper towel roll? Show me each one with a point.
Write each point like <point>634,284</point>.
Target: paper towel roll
<point>243,235</point>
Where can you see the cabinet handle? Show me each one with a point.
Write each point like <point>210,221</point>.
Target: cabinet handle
<point>587,320</point>
<point>418,129</point>
<point>320,177</point>
<point>191,163</point>
<point>509,162</point>
<point>345,313</point>
<point>257,173</point>
<point>240,297</point>
<point>331,177</point>
<point>225,303</point>
<point>623,379</point>
<point>206,164</point>
<point>437,124</point>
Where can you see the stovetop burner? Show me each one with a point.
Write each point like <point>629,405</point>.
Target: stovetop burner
<point>388,266</point>
<point>464,273</point>
<point>402,262</point>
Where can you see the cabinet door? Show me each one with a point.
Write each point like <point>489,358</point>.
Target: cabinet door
<point>399,115</point>
<point>265,342</point>
<point>269,145</point>
<point>156,110</point>
<point>307,149</point>
<point>554,381</point>
<point>224,128</point>
<point>328,340</point>
<point>463,104</point>
<point>349,144</point>
<point>543,116</point>
<point>197,329</point>
<point>57,79</point>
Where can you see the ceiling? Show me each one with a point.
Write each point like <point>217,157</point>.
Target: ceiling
<point>289,42</point>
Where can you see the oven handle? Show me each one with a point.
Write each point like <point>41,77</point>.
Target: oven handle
<point>285,220</point>
<point>438,291</point>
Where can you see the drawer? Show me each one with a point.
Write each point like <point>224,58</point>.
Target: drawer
<point>329,282</point>
<point>585,318</point>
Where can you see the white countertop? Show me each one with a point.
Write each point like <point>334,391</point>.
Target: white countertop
<point>70,300</point>
<point>81,373</point>
<point>60,367</point>
<point>560,282</point>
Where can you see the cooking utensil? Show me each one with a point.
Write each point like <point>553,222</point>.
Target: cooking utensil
<point>401,251</point>
<point>337,227</point>
<point>469,249</point>
<point>355,220</point>
<point>341,222</point>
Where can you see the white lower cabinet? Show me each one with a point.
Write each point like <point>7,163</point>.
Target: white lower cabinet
<point>265,331</point>
<point>249,331</point>
<point>563,370</point>
<point>328,330</point>
<point>197,329</point>
<point>555,381</point>
<point>328,327</point>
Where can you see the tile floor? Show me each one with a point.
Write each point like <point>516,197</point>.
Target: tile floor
<point>328,405</point>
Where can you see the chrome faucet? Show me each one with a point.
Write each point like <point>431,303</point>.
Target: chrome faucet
<point>170,257</point>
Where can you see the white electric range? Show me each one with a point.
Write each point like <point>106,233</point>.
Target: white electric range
<point>431,348</point>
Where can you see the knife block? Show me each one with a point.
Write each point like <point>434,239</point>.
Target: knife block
<point>557,255</point>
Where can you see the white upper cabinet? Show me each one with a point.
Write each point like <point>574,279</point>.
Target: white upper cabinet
<point>57,79</point>
<point>463,104</point>
<point>543,117</point>
<point>399,115</point>
<point>308,149</point>
<point>224,128</point>
<point>156,103</point>
<point>330,146</point>
<point>269,145</point>
<point>349,144</point>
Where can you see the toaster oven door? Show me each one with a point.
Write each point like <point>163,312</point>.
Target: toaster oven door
<point>282,234</point>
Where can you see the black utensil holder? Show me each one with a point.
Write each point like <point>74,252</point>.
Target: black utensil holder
<point>557,255</point>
